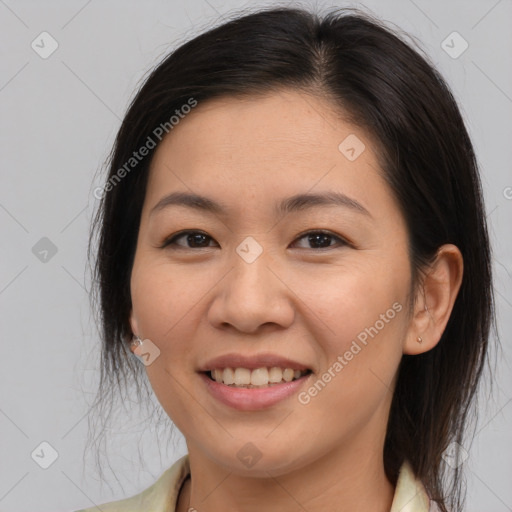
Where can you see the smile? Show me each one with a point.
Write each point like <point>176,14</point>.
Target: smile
<point>248,397</point>
<point>257,378</point>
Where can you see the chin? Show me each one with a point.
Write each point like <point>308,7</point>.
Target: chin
<point>260,461</point>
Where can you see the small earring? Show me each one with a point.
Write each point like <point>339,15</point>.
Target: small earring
<point>420,339</point>
<point>136,342</point>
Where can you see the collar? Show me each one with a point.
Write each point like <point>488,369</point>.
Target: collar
<point>410,494</point>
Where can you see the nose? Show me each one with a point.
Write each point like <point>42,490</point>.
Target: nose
<point>251,297</point>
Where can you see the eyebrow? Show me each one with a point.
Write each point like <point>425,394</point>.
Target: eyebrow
<point>294,203</point>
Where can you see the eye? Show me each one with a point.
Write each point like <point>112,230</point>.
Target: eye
<point>196,239</point>
<point>320,239</point>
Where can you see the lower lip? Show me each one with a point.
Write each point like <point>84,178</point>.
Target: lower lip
<point>245,399</point>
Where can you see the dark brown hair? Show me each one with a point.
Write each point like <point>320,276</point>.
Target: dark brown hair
<point>393,92</point>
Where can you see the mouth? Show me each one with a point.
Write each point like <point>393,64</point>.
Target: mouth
<point>258,378</point>
<point>239,392</point>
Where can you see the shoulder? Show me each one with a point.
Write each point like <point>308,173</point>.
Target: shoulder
<point>410,493</point>
<point>160,497</point>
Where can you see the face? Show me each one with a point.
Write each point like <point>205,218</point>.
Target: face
<point>320,282</point>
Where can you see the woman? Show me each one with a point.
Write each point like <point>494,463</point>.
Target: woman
<point>292,240</point>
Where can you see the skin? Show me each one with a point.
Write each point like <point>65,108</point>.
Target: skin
<point>295,300</point>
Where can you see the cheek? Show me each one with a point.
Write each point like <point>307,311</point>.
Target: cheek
<point>163,298</point>
<point>348,301</point>
<point>359,322</point>
<point>360,350</point>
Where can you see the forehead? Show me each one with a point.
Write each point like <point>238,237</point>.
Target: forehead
<point>287,141</point>
<point>272,122</point>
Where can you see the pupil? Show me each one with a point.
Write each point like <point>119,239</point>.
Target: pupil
<point>193,238</point>
<point>313,239</point>
<point>317,240</point>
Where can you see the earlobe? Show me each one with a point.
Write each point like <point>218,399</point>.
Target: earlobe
<point>434,301</point>
<point>133,325</point>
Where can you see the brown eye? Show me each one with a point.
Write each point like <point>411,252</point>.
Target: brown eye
<point>193,240</point>
<point>321,239</point>
<point>198,240</point>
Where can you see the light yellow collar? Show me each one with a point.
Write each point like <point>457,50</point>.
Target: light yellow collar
<point>410,494</point>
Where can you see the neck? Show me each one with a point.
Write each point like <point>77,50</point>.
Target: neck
<point>329,483</point>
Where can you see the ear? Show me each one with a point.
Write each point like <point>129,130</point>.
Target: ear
<point>133,325</point>
<point>434,300</point>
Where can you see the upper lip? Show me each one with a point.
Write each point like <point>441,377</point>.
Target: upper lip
<point>265,360</point>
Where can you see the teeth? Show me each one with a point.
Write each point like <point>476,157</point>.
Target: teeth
<point>275,375</point>
<point>288,375</point>
<point>242,376</point>
<point>259,377</point>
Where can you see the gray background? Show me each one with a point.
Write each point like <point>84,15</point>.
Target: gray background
<point>59,116</point>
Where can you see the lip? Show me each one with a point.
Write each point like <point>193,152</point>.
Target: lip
<point>265,360</point>
<point>253,399</point>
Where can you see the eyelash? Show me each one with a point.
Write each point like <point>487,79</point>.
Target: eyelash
<point>171,241</point>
